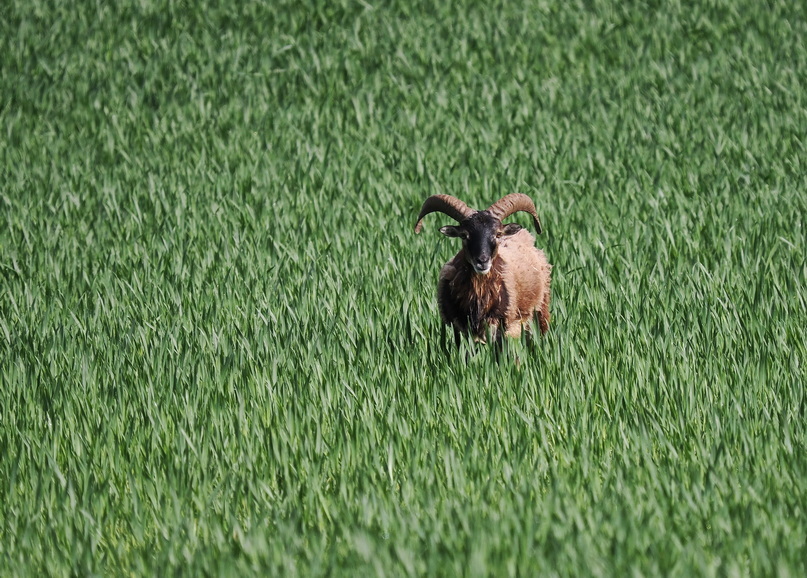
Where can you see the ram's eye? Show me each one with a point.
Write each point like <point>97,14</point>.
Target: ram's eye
<point>499,234</point>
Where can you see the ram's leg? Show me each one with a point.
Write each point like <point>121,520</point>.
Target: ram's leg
<point>542,316</point>
<point>529,332</point>
<point>496,333</point>
<point>513,329</point>
<point>444,339</point>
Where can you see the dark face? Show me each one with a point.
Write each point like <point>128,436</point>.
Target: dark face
<point>481,234</point>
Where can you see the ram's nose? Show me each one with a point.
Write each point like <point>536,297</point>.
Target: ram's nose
<point>482,267</point>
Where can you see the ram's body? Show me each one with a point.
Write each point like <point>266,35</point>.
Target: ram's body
<point>513,294</point>
<point>498,283</point>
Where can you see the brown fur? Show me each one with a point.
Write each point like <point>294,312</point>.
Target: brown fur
<point>515,292</point>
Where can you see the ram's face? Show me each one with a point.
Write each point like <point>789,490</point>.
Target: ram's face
<point>481,234</point>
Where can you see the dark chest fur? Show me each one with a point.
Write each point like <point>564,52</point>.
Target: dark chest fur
<point>478,300</point>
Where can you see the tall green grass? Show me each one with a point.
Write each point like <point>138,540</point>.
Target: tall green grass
<point>219,344</point>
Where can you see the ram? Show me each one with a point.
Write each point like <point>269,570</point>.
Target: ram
<point>499,281</point>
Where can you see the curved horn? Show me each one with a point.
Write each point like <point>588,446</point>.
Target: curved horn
<point>447,204</point>
<point>513,203</point>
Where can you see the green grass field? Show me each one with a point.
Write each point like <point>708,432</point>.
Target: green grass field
<point>219,340</point>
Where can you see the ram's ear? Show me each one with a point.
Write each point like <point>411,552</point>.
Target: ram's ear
<point>511,229</point>
<point>452,231</point>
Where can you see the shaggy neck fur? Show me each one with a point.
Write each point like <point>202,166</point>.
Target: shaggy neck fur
<point>481,296</point>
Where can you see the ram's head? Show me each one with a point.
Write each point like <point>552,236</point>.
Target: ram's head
<point>480,231</point>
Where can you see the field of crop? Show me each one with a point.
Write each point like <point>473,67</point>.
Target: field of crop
<point>219,342</point>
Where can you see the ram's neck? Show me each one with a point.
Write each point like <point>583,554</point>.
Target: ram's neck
<point>482,285</point>
<point>480,292</point>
